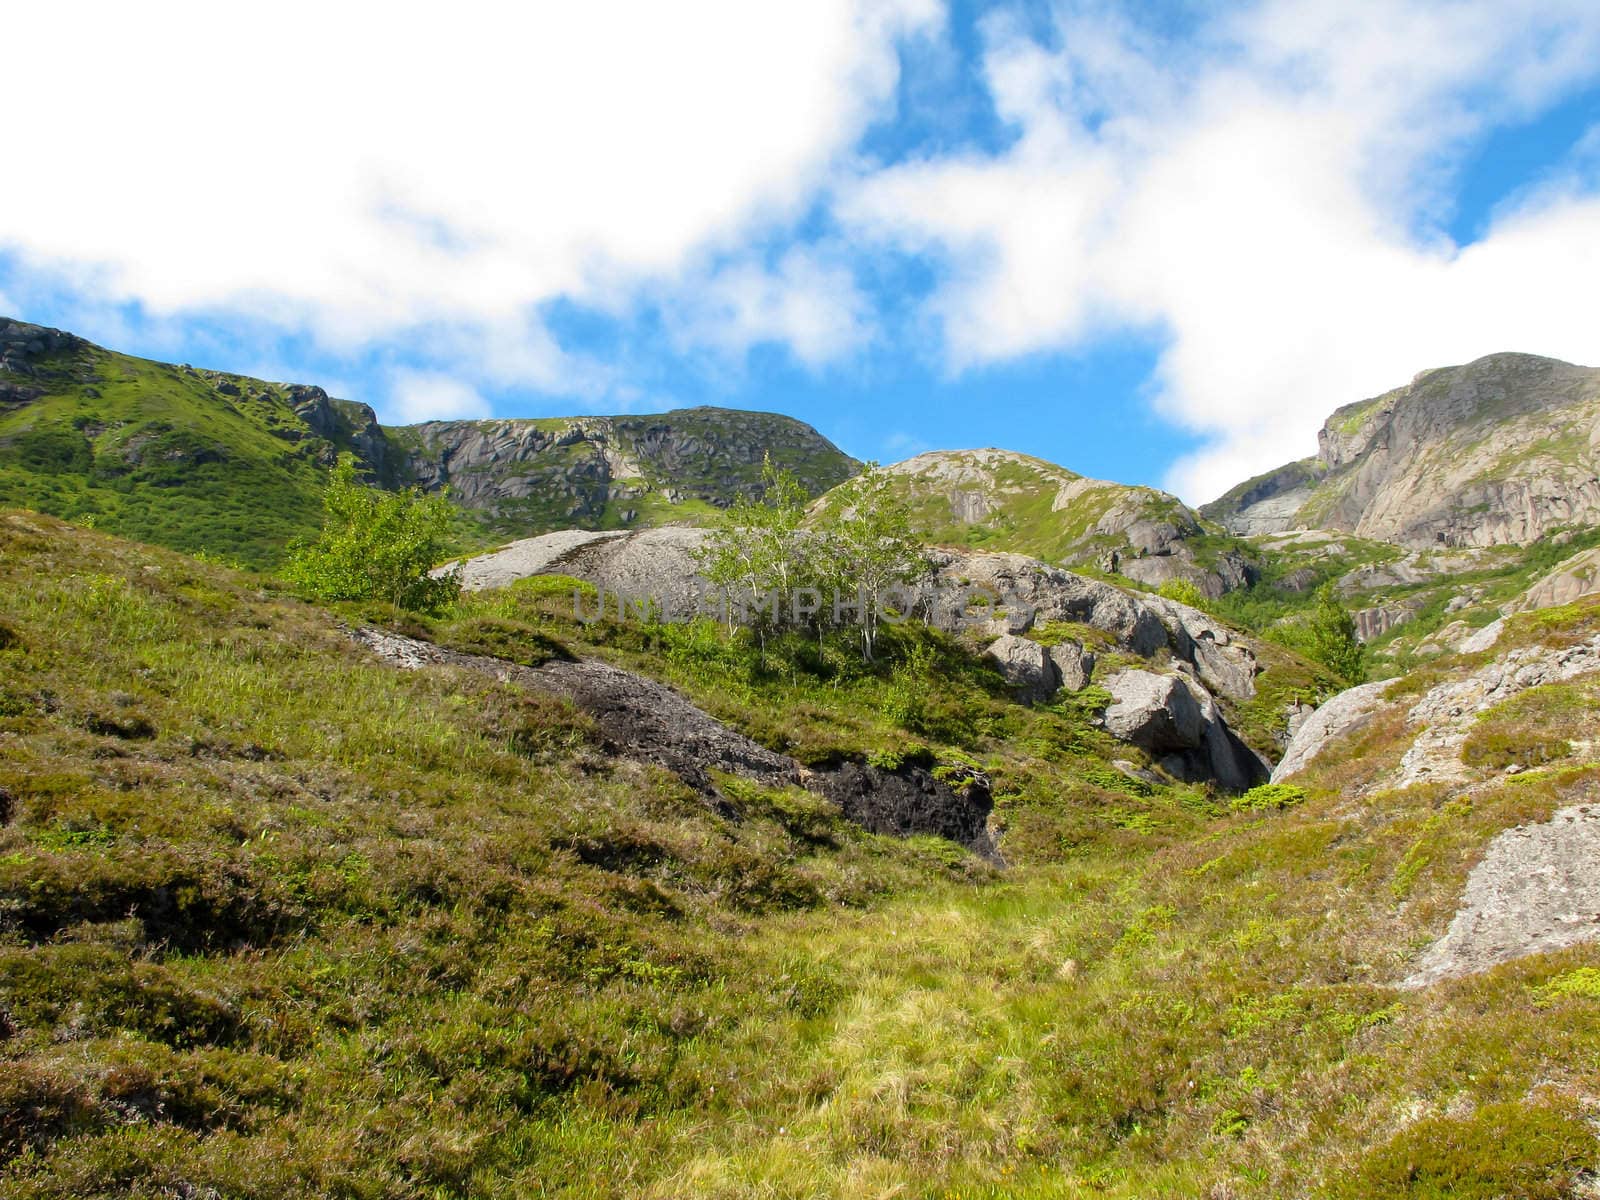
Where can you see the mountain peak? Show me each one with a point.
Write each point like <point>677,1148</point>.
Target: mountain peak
<point>1500,450</point>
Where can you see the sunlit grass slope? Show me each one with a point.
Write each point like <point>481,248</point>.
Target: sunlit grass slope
<point>279,920</point>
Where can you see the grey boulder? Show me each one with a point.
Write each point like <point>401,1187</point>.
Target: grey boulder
<point>1176,720</point>
<point>1074,664</point>
<point>1026,666</point>
<point>1341,715</point>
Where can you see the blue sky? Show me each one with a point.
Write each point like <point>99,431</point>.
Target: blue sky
<point>1155,243</point>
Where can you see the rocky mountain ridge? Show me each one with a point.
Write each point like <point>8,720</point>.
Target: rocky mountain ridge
<point>1502,450</point>
<point>536,474</point>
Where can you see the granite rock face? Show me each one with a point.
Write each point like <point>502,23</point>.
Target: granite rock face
<point>1535,891</point>
<point>1571,580</point>
<point>1505,449</point>
<point>585,471</point>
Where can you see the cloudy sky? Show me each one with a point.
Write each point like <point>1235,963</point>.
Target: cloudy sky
<point>1156,242</point>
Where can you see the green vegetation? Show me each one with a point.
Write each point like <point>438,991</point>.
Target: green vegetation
<point>1522,1150</point>
<point>279,920</point>
<point>158,453</point>
<point>1183,592</point>
<point>1270,796</point>
<point>999,500</point>
<point>1329,637</point>
<point>376,546</point>
<point>778,574</point>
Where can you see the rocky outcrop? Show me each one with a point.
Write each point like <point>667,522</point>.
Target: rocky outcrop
<point>1177,722</point>
<point>24,351</point>
<point>1018,503</point>
<point>1033,592</point>
<point>1577,577</point>
<point>1502,450</point>
<point>646,721</point>
<point>1340,716</point>
<point>1446,713</point>
<point>1372,623</point>
<point>997,593</point>
<point>23,346</point>
<point>1000,596</point>
<point>346,425</point>
<point>1535,891</point>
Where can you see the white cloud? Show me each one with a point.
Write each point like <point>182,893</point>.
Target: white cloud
<point>358,170</point>
<point>430,396</point>
<point>1266,193</point>
<point>1271,206</point>
<point>806,301</point>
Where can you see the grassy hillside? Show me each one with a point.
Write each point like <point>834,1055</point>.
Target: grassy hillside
<point>1001,500</point>
<point>279,920</point>
<point>235,467</point>
<point>188,459</point>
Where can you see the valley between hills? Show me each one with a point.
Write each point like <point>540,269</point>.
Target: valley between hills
<point>1124,887</point>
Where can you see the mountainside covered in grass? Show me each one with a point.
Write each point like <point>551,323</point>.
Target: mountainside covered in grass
<point>1001,500</point>
<point>1504,450</point>
<point>195,460</point>
<point>203,460</point>
<point>281,918</point>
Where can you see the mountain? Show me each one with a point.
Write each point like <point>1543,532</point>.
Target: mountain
<point>1001,500</point>
<point>529,476</point>
<point>1504,450</point>
<point>205,460</point>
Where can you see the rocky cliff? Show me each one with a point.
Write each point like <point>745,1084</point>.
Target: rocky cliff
<point>608,472</point>
<point>1503,450</point>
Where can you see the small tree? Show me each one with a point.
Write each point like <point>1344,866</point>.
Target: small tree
<point>868,549</point>
<point>757,556</point>
<point>377,546</point>
<point>1331,637</point>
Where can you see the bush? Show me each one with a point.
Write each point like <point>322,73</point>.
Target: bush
<point>1183,591</point>
<point>377,546</point>
<point>1327,636</point>
<point>1500,1150</point>
<point>1270,796</point>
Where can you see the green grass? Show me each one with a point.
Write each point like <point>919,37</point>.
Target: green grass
<point>329,928</point>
